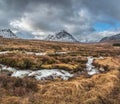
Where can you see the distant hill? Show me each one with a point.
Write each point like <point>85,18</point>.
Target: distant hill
<point>7,33</point>
<point>61,36</point>
<point>111,38</point>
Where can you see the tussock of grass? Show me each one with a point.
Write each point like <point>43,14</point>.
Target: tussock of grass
<point>95,90</point>
<point>109,63</point>
<point>17,86</point>
<point>99,89</point>
<point>32,62</point>
<point>104,49</point>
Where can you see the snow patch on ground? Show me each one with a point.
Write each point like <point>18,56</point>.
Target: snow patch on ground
<point>37,54</point>
<point>4,52</point>
<point>91,70</point>
<point>21,73</point>
<point>10,69</point>
<point>50,74</point>
<point>44,74</point>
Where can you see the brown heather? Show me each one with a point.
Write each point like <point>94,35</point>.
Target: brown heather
<point>101,88</point>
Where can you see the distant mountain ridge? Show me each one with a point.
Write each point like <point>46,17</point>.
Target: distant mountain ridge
<point>61,36</point>
<point>7,33</point>
<point>111,38</point>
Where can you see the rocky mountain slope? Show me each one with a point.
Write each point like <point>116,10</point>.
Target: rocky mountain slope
<point>61,36</point>
<point>7,33</point>
<point>111,38</point>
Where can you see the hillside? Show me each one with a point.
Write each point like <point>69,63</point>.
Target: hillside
<point>111,38</point>
<point>61,36</point>
<point>7,33</point>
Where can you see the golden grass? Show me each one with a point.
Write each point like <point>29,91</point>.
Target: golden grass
<point>95,90</point>
<point>22,61</point>
<point>108,62</point>
<point>101,49</point>
<point>99,89</point>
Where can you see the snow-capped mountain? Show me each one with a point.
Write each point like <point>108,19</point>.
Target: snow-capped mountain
<point>61,36</point>
<point>7,33</point>
<point>111,38</point>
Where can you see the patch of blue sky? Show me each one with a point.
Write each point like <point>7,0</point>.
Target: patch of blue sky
<point>106,26</point>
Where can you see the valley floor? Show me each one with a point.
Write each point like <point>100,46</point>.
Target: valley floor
<point>66,73</point>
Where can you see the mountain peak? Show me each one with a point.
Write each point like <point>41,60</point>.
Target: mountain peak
<point>111,38</point>
<point>7,33</point>
<point>63,31</point>
<point>62,36</point>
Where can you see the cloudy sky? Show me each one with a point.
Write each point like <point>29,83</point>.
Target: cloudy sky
<point>87,20</point>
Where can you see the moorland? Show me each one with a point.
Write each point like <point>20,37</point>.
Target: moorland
<point>81,88</point>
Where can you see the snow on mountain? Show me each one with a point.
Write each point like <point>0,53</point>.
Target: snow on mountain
<point>61,36</point>
<point>7,33</point>
<point>96,36</point>
<point>111,38</point>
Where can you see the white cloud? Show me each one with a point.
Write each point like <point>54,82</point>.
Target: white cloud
<point>97,36</point>
<point>21,24</point>
<point>43,17</point>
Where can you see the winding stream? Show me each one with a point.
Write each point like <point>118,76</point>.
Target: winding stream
<point>39,74</point>
<point>45,74</point>
<point>50,74</point>
<point>91,70</point>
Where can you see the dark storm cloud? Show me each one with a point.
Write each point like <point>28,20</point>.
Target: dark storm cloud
<point>9,10</point>
<point>103,7</point>
<point>16,9</point>
<point>75,16</point>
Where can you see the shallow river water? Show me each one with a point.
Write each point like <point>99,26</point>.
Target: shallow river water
<point>44,74</point>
